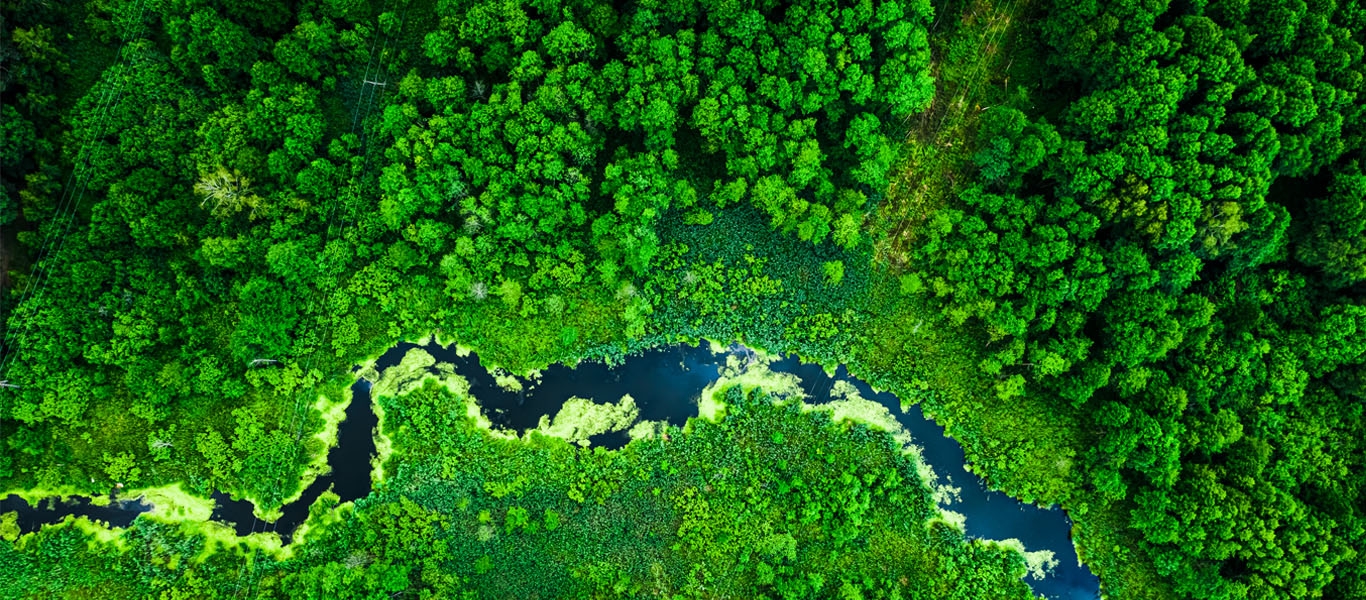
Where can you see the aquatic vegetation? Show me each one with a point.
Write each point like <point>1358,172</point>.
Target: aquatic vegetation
<point>1116,249</point>
<point>580,419</point>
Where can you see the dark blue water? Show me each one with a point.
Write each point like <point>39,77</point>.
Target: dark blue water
<point>54,510</point>
<point>665,384</point>
<point>349,477</point>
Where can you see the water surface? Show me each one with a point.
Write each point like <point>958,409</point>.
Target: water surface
<point>665,384</point>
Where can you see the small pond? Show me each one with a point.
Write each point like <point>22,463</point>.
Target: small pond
<point>665,384</point>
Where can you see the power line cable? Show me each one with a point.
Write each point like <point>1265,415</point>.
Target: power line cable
<point>358,119</point>
<point>66,208</point>
<point>106,103</point>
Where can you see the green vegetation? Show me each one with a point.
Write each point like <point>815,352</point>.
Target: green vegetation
<point>277,201</point>
<point>771,501</point>
<point>1153,250</point>
<point>1116,248</point>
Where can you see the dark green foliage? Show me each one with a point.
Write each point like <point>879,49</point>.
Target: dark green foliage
<point>258,199</point>
<point>1333,238</point>
<point>1182,270</point>
<point>1148,290</point>
<point>235,202</point>
<point>771,502</point>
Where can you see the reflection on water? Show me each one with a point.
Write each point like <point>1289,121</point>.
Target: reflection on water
<point>665,384</point>
<point>54,510</point>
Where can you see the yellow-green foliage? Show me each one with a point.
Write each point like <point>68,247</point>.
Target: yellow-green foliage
<point>770,494</point>
<point>1039,563</point>
<point>384,446</point>
<point>405,375</point>
<point>417,368</point>
<point>326,510</point>
<point>333,413</point>
<point>61,493</point>
<point>172,503</point>
<point>849,405</point>
<point>646,430</point>
<point>9,526</point>
<point>505,380</point>
<point>579,419</point>
<point>223,538</point>
<point>748,373</point>
<point>99,532</point>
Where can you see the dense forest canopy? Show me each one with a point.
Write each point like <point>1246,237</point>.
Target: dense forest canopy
<point>1179,249</point>
<point>1134,283</point>
<point>284,195</point>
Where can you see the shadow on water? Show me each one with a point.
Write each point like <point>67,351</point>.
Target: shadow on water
<point>52,510</point>
<point>665,384</point>
<point>990,514</point>
<point>349,476</point>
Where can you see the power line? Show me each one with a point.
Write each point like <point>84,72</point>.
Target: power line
<point>106,103</point>
<point>80,172</point>
<point>962,95</point>
<point>297,422</point>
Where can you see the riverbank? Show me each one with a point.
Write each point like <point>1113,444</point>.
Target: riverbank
<point>714,376</point>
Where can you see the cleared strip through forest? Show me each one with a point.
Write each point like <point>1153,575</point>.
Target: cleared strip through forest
<point>938,147</point>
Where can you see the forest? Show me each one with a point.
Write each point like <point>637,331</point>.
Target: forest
<point>1117,249</point>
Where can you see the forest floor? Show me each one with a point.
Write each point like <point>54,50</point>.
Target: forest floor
<point>976,47</point>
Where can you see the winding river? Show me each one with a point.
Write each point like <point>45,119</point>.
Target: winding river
<point>665,383</point>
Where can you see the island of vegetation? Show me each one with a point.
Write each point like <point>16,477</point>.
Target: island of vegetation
<point>1115,248</point>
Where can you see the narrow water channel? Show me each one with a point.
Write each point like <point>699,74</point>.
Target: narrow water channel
<point>349,477</point>
<point>665,384</point>
<point>54,510</point>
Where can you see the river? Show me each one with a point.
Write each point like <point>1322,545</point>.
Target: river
<point>665,384</point>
